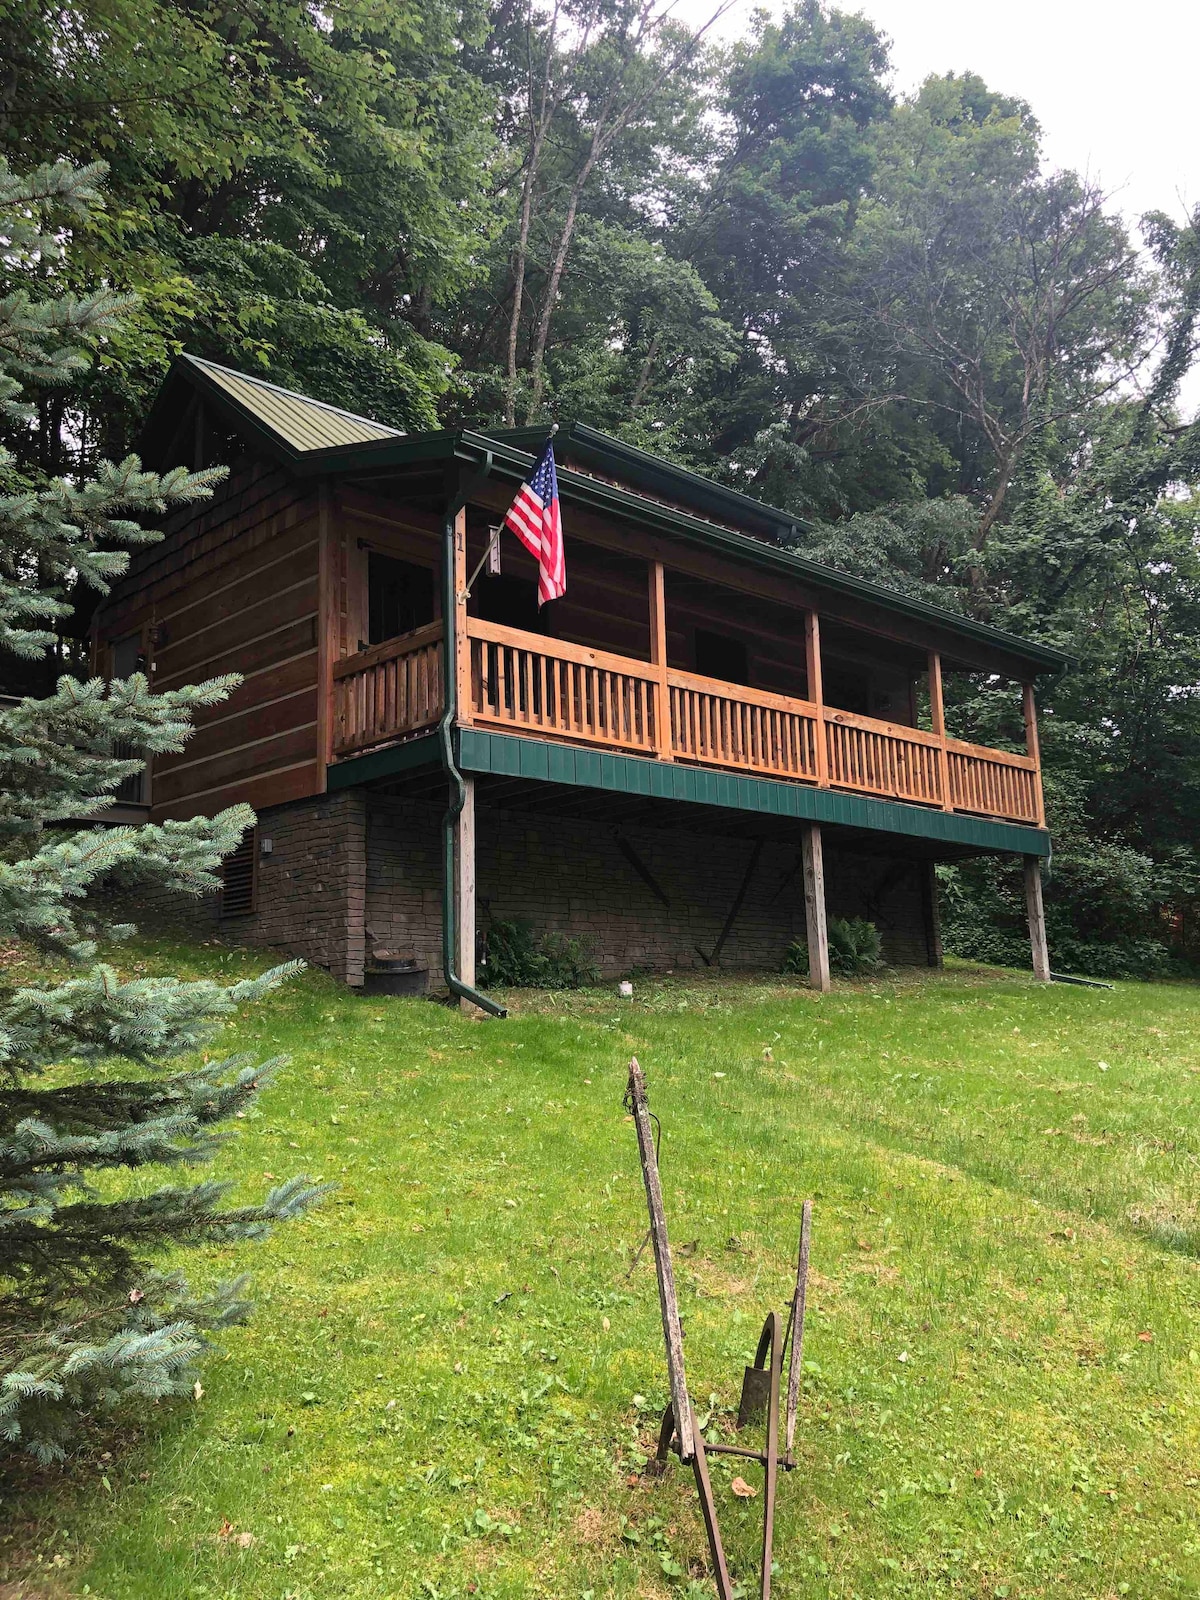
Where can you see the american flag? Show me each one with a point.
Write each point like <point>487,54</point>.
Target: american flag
<point>534,518</point>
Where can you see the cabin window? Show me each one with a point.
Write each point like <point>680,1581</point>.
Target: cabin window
<point>239,877</point>
<point>510,602</point>
<point>399,597</point>
<point>847,687</point>
<point>128,656</point>
<point>718,656</point>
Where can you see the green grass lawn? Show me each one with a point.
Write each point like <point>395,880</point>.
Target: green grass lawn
<point>451,1383</point>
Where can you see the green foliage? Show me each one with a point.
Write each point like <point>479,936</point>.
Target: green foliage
<point>87,1321</point>
<point>795,957</point>
<point>855,949</point>
<point>290,192</point>
<point>519,958</point>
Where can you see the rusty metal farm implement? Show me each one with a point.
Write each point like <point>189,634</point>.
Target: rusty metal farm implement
<point>761,1383</point>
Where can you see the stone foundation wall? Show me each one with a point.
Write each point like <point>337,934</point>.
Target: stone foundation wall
<point>312,885</point>
<point>311,889</point>
<point>574,877</point>
<point>351,872</point>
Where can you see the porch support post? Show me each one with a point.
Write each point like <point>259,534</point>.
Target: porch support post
<point>816,693</point>
<point>464,888</point>
<point>1037,918</point>
<point>937,722</point>
<point>658,660</point>
<point>933,932</point>
<point>462,644</point>
<point>1029,707</point>
<point>814,908</point>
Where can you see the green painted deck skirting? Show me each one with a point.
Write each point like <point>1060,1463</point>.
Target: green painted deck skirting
<point>544,762</point>
<point>385,763</point>
<point>665,780</point>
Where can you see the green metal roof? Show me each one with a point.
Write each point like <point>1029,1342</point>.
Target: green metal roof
<point>301,422</point>
<point>314,438</point>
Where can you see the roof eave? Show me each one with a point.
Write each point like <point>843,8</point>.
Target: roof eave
<point>380,456</point>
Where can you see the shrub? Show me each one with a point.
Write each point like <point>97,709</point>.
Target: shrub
<point>518,958</point>
<point>855,948</point>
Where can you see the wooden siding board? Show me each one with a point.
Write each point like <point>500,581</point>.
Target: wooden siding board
<point>283,750</point>
<point>270,789</point>
<point>205,539</point>
<point>254,723</point>
<point>268,686</point>
<point>282,570</point>
<point>263,619</point>
<point>295,639</point>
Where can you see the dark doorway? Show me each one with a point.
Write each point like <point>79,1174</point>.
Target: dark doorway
<point>400,597</point>
<point>720,657</point>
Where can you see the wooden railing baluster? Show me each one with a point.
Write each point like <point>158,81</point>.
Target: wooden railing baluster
<point>550,688</point>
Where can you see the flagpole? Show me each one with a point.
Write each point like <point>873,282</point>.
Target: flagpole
<point>496,532</point>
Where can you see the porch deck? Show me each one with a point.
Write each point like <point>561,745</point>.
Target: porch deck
<point>546,689</point>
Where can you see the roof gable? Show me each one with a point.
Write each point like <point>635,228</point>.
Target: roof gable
<point>295,423</point>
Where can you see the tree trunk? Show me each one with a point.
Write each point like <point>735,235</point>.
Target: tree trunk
<point>996,503</point>
<point>537,359</point>
<point>643,382</point>
<point>521,255</point>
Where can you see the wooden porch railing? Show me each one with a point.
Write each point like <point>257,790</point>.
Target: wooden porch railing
<point>726,725</point>
<point>387,692</point>
<point>546,688</point>
<point>883,758</point>
<point>529,684</point>
<point>994,783</point>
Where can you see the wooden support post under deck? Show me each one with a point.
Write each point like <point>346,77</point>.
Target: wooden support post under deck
<point>464,889</point>
<point>1029,707</point>
<point>814,908</point>
<point>1037,918</point>
<point>816,693</point>
<point>937,723</point>
<point>658,659</point>
<point>462,644</point>
<point>933,932</point>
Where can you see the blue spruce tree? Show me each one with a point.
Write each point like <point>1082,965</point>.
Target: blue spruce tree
<point>88,1322</point>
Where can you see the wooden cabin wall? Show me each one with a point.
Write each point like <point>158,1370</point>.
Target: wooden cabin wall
<point>606,607</point>
<point>233,587</point>
<point>362,522</point>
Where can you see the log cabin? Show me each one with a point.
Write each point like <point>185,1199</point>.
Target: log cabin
<point>707,746</point>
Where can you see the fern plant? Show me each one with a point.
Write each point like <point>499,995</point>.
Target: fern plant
<point>519,958</point>
<point>855,949</point>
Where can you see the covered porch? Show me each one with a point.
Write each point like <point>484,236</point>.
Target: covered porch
<point>516,681</point>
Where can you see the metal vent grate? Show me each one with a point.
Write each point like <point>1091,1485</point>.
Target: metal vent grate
<point>239,877</point>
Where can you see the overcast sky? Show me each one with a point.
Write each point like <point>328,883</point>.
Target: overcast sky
<point>1115,88</point>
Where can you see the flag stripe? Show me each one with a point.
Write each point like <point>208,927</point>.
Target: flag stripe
<point>535,519</point>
